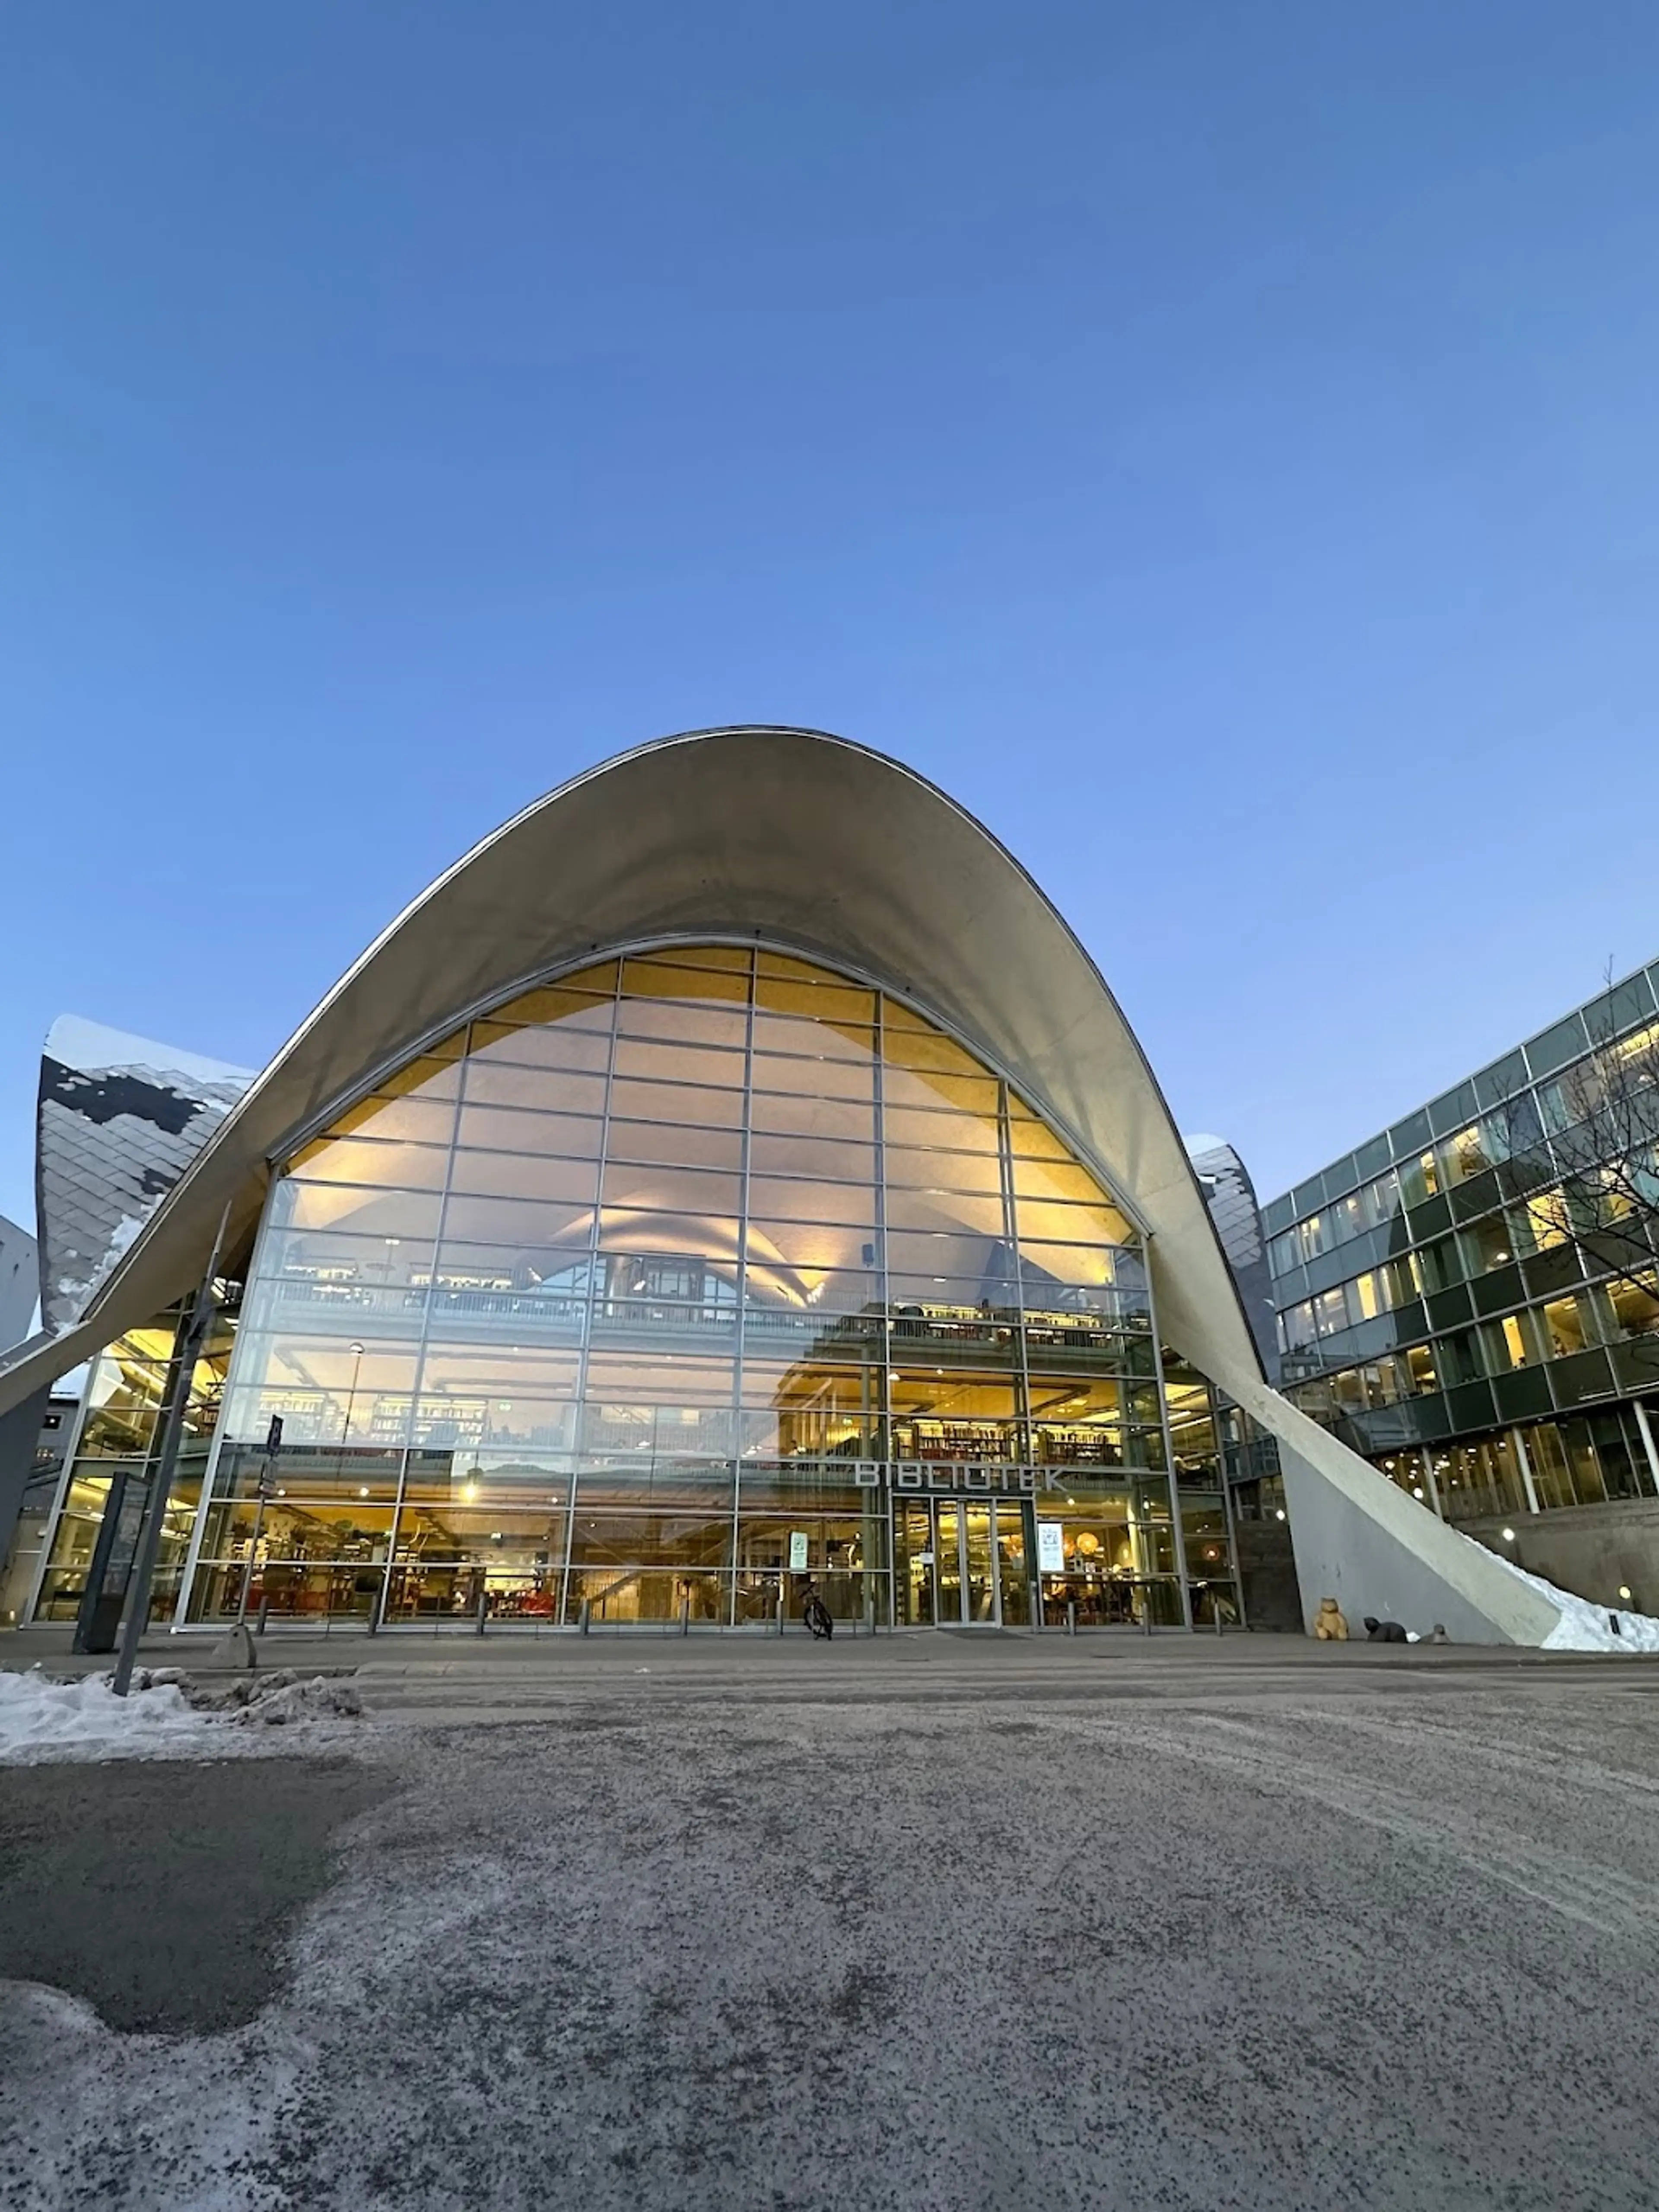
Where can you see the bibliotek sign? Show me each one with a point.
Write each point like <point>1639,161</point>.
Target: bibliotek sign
<point>946,1474</point>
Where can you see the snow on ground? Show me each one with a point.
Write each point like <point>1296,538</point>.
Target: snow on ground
<point>42,1719</point>
<point>1586,1627</point>
<point>166,1715</point>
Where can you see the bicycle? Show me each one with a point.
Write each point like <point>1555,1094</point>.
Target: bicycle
<point>816,1614</point>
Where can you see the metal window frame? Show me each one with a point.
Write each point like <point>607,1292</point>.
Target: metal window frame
<point>753,945</point>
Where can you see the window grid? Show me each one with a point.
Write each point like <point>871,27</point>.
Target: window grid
<point>589,1266</point>
<point>1530,1302</point>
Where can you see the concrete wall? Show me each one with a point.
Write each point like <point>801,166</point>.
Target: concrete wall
<point>20,1282</point>
<point>1587,1549</point>
<point>20,1435</point>
<point>1361,1540</point>
<point>1353,1543</point>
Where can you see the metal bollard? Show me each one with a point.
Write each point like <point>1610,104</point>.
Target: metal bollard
<point>1217,1620</point>
<point>1146,1616</point>
<point>585,1616</point>
<point>262,1616</point>
<point>685,1616</point>
<point>1071,1616</point>
<point>780,1608</point>
<point>869,1613</point>
<point>483,1607</point>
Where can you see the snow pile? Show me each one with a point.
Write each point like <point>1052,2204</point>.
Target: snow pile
<point>43,1719</point>
<point>1586,1627</point>
<point>167,1712</point>
<point>320,1698</point>
<point>272,1699</point>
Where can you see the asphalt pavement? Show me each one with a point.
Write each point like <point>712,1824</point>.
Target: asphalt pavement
<point>920,1923</point>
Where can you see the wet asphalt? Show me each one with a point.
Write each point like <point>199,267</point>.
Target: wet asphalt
<point>163,1894</point>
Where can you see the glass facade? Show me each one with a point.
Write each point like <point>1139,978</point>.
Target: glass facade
<point>1472,1298</point>
<point>682,1280</point>
<point>21,1567</point>
<point>112,1459</point>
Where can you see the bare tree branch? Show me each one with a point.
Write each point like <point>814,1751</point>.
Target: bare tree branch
<point>1607,1149</point>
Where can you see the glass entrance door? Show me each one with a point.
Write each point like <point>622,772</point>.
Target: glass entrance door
<point>963,1563</point>
<point>947,1563</point>
<point>913,1561</point>
<point>1014,1564</point>
<point>979,1581</point>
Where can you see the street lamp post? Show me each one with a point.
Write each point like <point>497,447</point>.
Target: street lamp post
<point>356,1351</point>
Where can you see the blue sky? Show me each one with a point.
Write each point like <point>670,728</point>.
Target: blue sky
<point>1216,443</point>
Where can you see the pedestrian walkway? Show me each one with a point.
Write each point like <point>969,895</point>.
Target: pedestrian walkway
<point>507,1676</point>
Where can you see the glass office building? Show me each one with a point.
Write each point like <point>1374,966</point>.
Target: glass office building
<point>1466,1303</point>
<point>679,1280</point>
